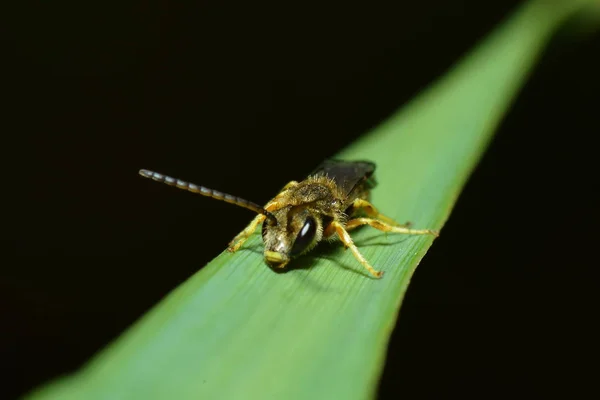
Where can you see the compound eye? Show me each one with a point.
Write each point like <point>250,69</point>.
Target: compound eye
<point>305,236</point>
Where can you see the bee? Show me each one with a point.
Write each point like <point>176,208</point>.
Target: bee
<point>329,203</point>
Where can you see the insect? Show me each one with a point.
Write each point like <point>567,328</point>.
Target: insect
<point>329,203</point>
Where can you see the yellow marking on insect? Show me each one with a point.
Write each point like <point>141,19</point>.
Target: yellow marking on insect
<point>275,259</point>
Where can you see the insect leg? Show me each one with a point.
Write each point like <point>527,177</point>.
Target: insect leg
<point>371,211</point>
<point>382,226</point>
<point>239,240</point>
<point>349,243</point>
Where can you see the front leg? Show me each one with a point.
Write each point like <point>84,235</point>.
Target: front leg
<point>382,226</point>
<point>239,240</point>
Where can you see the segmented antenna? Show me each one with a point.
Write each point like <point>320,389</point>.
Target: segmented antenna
<point>204,191</point>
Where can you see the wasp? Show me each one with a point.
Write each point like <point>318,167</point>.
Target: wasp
<point>328,204</point>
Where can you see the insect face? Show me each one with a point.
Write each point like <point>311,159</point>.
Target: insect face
<point>298,229</point>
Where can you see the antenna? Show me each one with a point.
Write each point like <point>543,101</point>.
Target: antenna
<point>204,191</point>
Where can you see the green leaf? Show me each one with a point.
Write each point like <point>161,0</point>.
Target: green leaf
<point>237,330</point>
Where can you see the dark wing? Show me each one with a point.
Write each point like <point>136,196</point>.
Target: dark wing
<point>350,176</point>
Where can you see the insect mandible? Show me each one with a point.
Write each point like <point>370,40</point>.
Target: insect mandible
<point>329,203</point>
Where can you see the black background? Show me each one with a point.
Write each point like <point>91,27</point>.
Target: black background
<point>243,98</point>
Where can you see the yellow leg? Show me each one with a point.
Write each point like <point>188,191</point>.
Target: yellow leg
<point>349,243</point>
<point>239,240</point>
<point>328,231</point>
<point>371,211</point>
<point>382,226</point>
